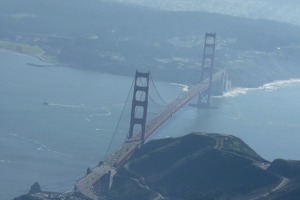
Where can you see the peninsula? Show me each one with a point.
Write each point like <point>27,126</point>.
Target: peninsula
<point>196,166</point>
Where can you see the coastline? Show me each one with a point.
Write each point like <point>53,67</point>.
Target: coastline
<point>17,53</point>
<point>46,63</point>
<point>235,90</point>
<point>20,53</point>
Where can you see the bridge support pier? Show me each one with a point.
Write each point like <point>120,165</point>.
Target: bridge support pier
<point>207,68</point>
<point>222,85</point>
<point>139,101</point>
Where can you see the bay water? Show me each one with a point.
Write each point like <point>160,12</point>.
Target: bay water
<point>56,121</point>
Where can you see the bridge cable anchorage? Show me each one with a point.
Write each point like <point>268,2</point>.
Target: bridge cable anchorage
<point>119,120</point>
<point>157,91</point>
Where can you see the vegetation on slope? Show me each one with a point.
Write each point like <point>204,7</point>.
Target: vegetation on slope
<point>27,49</point>
<point>286,168</point>
<point>127,187</point>
<point>199,166</point>
<point>291,170</point>
<point>194,167</point>
<point>290,192</point>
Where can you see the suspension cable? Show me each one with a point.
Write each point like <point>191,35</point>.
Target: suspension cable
<point>159,104</point>
<point>115,131</point>
<point>157,91</point>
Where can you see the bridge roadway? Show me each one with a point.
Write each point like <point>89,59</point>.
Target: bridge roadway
<point>86,185</point>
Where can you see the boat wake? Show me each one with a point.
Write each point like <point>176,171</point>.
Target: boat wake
<point>5,161</point>
<point>39,146</point>
<point>104,130</point>
<point>106,113</point>
<point>266,87</point>
<point>63,105</point>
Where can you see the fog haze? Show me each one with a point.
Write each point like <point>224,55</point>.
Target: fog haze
<point>282,11</point>
<point>67,65</point>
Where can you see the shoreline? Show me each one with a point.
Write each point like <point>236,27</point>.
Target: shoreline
<point>17,53</point>
<point>235,90</point>
<point>47,62</point>
<point>40,58</point>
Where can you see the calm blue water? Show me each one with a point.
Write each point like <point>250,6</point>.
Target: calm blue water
<point>54,144</point>
<point>267,120</point>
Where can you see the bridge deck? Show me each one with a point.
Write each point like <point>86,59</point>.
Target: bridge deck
<point>85,185</point>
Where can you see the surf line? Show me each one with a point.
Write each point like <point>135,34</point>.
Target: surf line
<point>62,105</point>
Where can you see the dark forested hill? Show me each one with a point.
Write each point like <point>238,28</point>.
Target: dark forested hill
<point>196,166</point>
<point>118,38</point>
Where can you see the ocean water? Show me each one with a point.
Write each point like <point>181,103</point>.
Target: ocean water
<point>57,121</point>
<point>266,118</point>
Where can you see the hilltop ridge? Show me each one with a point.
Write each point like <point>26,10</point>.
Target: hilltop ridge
<point>195,166</point>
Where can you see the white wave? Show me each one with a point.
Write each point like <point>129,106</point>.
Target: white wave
<point>87,119</point>
<point>40,146</point>
<point>66,105</point>
<point>106,113</point>
<point>237,91</point>
<point>16,135</point>
<point>185,88</point>
<point>5,161</point>
<point>266,87</point>
<point>279,84</point>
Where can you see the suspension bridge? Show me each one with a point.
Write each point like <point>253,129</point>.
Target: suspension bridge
<point>98,180</point>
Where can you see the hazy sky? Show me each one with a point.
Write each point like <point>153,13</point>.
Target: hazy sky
<point>283,11</point>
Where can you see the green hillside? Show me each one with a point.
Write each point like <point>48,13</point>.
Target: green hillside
<point>287,168</point>
<point>290,192</point>
<point>291,170</point>
<point>196,166</point>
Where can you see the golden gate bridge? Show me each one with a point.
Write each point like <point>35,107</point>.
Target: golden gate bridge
<point>98,180</point>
